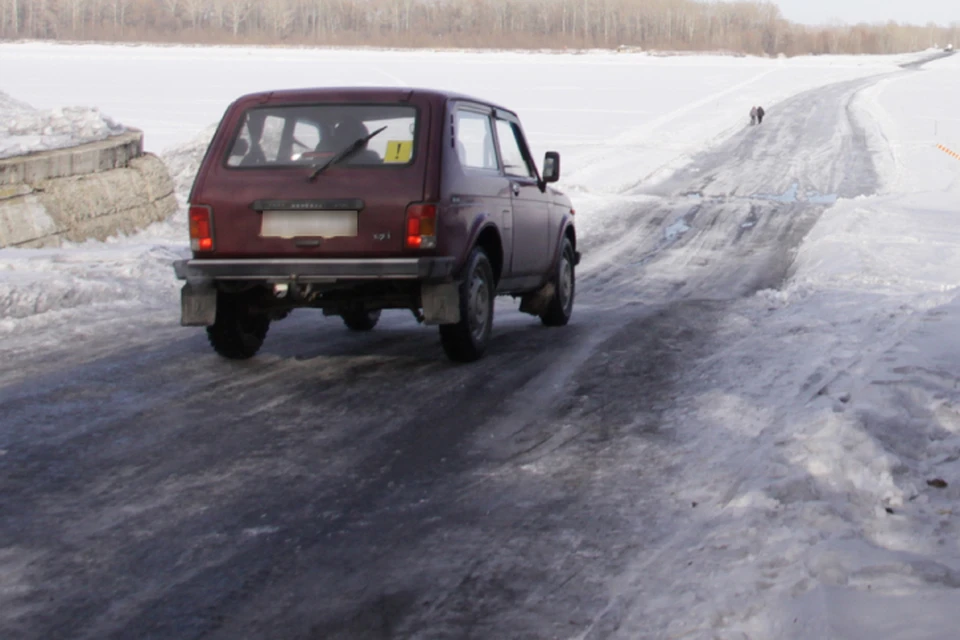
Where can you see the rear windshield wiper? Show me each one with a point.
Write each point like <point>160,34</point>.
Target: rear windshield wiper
<point>344,154</point>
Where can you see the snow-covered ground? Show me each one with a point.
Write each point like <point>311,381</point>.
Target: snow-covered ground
<point>835,413</point>
<point>826,432</point>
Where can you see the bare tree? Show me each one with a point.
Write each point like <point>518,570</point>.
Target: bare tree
<point>237,12</point>
<point>173,8</point>
<point>279,14</point>
<point>13,10</point>
<point>76,15</point>
<point>743,26</point>
<point>195,10</point>
<point>119,14</point>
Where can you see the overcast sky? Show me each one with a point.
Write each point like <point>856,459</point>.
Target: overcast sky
<point>852,11</point>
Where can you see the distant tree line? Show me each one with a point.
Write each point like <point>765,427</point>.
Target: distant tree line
<point>681,25</point>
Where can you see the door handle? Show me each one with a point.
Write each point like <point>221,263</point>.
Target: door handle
<point>516,188</point>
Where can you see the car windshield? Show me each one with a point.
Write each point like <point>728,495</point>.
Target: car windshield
<point>310,135</point>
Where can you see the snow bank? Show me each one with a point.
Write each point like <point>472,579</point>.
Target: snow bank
<point>74,279</point>
<point>184,160</point>
<point>24,129</point>
<point>126,270</point>
<point>45,280</point>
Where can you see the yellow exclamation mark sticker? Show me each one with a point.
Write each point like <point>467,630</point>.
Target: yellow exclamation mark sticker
<point>399,151</point>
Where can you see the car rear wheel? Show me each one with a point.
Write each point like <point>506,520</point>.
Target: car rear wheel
<point>361,320</point>
<point>467,340</point>
<point>560,308</point>
<point>237,333</point>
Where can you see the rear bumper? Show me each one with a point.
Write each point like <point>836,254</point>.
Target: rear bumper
<point>315,270</point>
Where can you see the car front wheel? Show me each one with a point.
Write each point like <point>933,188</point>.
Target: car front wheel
<point>467,340</point>
<point>560,308</point>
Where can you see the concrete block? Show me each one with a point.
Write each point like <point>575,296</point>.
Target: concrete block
<point>14,190</point>
<point>25,222</point>
<point>93,205</point>
<point>155,175</point>
<point>114,152</point>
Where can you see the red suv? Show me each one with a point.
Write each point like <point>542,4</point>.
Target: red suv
<point>354,200</point>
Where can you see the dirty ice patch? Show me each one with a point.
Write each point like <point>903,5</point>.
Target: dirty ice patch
<point>792,195</point>
<point>24,129</point>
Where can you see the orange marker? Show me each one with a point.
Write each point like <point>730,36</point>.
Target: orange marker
<point>949,152</point>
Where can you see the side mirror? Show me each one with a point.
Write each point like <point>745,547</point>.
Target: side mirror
<point>551,166</point>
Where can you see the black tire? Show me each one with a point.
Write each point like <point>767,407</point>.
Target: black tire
<point>237,333</point>
<point>361,320</point>
<point>467,340</point>
<point>560,308</point>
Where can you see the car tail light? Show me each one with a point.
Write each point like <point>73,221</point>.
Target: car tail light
<point>201,227</point>
<point>421,226</point>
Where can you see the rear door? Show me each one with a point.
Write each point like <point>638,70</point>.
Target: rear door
<point>531,207</point>
<point>271,195</point>
<point>477,193</point>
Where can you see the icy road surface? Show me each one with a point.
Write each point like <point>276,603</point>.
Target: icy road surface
<point>345,486</point>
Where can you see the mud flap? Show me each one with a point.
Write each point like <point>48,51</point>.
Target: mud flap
<point>441,303</point>
<point>198,305</point>
<point>536,303</point>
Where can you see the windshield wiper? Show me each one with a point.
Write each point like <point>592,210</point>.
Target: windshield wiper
<point>344,154</point>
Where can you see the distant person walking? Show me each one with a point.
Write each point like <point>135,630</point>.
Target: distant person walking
<point>753,115</point>
<point>760,114</point>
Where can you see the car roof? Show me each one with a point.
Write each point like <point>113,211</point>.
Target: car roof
<point>362,94</point>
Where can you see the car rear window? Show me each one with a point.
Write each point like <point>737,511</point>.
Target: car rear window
<point>276,136</point>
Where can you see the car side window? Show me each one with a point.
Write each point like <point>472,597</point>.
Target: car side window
<point>474,141</point>
<point>514,162</point>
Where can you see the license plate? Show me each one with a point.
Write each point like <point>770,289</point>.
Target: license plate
<point>317,224</point>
